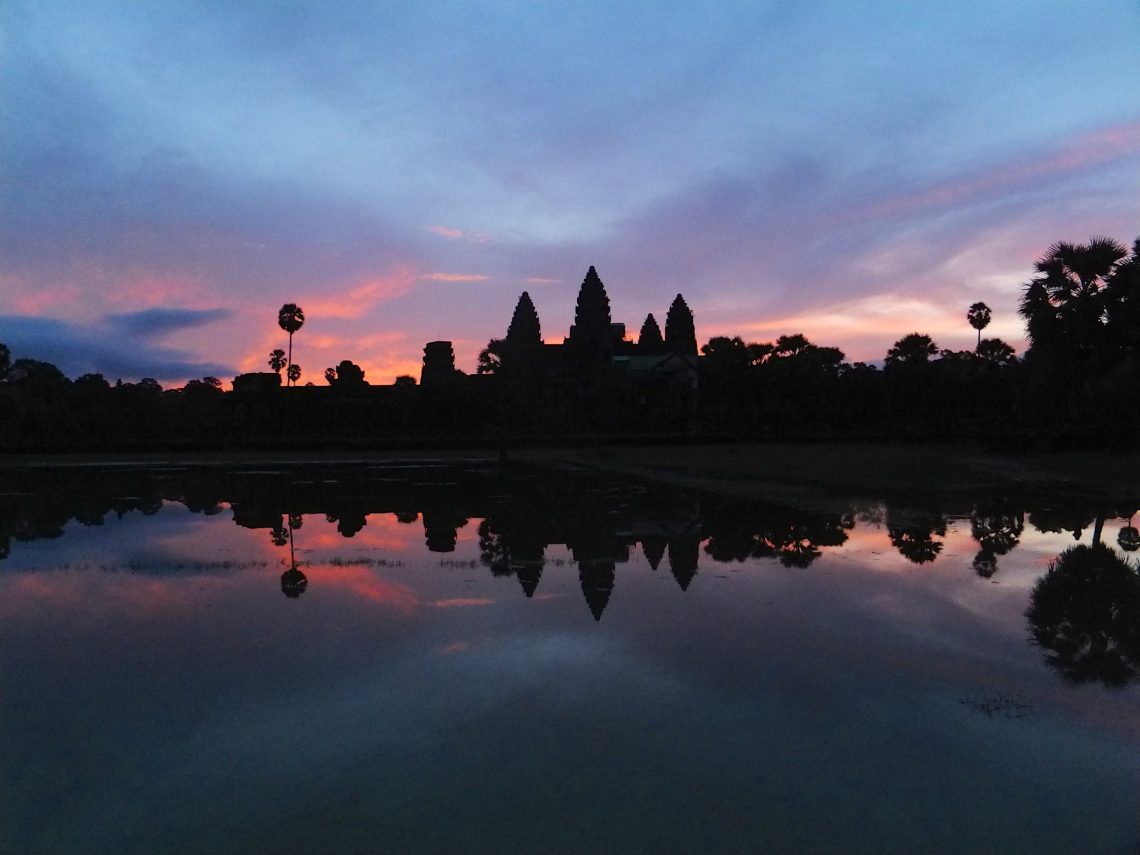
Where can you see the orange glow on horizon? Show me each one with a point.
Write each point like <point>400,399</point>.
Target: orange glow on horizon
<point>865,329</point>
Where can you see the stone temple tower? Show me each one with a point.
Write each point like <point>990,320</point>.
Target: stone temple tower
<point>590,335</point>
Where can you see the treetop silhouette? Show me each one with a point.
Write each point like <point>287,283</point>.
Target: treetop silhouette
<point>346,374</point>
<point>1068,305</point>
<point>912,349</point>
<point>291,318</point>
<point>979,317</point>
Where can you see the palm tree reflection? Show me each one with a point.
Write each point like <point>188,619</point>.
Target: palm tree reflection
<point>293,581</point>
<point>913,533</point>
<point>997,527</point>
<point>1085,612</point>
<point>1129,537</point>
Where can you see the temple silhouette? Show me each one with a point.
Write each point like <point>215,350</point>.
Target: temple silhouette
<point>596,343</point>
<point>597,377</point>
<point>1074,387</point>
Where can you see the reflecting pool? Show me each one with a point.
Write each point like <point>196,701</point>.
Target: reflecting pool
<point>472,658</point>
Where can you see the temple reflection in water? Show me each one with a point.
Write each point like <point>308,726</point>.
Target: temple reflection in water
<point>380,639</point>
<point>521,511</point>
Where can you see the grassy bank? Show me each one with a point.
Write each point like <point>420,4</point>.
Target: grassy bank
<point>813,472</point>
<point>800,473</point>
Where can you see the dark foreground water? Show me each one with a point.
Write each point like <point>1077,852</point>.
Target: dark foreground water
<point>542,661</point>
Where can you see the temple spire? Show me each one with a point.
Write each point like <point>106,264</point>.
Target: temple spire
<point>650,340</point>
<point>525,328</point>
<point>591,330</point>
<point>680,334</point>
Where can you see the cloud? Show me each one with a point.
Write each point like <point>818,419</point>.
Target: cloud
<point>458,234</point>
<point>454,277</point>
<point>150,323</point>
<point>357,300</point>
<point>1073,158</point>
<point>444,231</point>
<point>173,157</point>
<point>103,349</point>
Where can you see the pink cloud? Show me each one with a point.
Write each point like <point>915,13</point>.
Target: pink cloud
<point>457,234</point>
<point>1090,150</point>
<point>358,299</point>
<point>454,277</point>
<point>461,602</point>
<point>383,532</point>
<point>444,231</point>
<point>364,582</point>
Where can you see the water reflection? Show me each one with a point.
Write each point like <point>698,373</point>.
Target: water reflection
<point>1083,608</point>
<point>996,524</point>
<point>293,581</point>
<point>1085,612</point>
<point>762,673</point>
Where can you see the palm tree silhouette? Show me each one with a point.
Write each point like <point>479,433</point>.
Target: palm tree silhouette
<point>294,373</point>
<point>979,317</point>
<point>912,349</point>
<point>1129,537</point>
<point>290,318</point>
<point>1085,612</point>
<point>277,360</point>
<point>1065,305</point>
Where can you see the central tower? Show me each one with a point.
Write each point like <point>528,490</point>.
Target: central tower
<point>590,334</point>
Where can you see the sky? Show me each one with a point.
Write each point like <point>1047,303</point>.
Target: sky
<point>172,173</point>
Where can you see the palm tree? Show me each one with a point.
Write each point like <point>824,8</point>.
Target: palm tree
<point>1065,306</point>
<point>277,360</point>
<point>290,318</point>
<point>294,373</point>
<point>912,349</point>
<point>979,317</point>
<point>995,351</point>
<point>491,357</point>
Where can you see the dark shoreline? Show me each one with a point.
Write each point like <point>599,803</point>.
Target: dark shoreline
<point>790,471</point>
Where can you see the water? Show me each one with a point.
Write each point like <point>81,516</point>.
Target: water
<point>546,661</point>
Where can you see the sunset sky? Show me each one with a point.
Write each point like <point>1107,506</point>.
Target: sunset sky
<point>171,173</point>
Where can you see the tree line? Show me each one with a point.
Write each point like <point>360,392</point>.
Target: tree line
<point>1078,380</point>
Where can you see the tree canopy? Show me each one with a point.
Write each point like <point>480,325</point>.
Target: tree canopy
<point>912,349</point>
